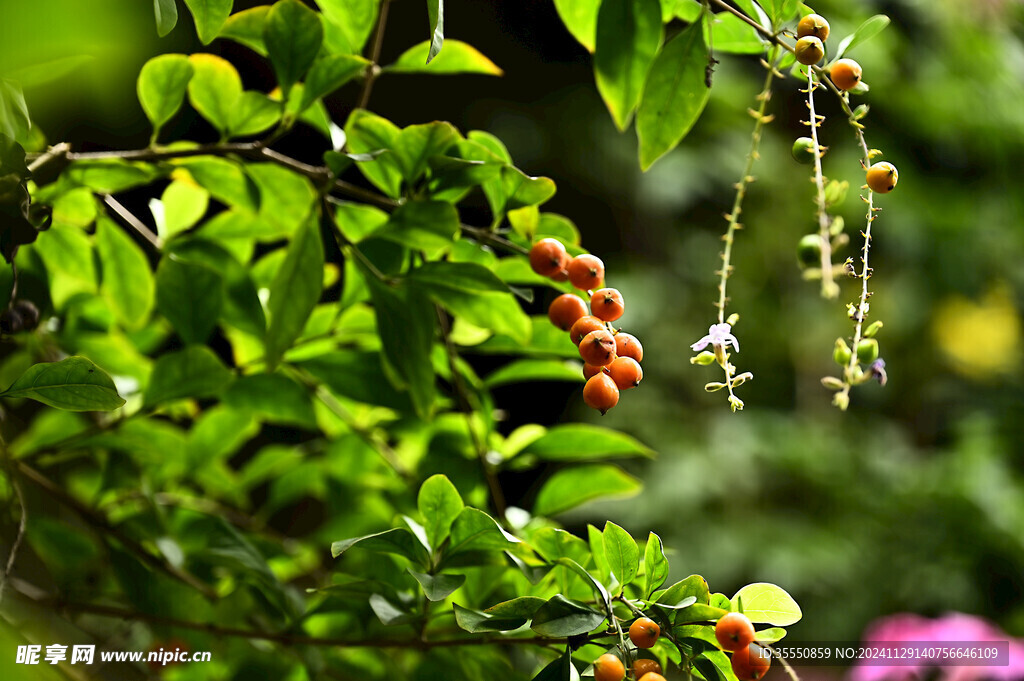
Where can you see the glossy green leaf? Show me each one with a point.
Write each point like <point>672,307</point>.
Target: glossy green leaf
<point>552,543</point>
<point>425,225</point>
<point>253,113</point>
<point>561,617</point>
<point>417,143</point>
<point>438,587</point>
<point>522,190</point>
<point>781,11</point>
<point>388,613</point>
<point>561,669</point>
<point>448,173</point>
<point>273,398</point>
<point>292,34</point>
<point>127,282</point>
<point>367,133</point>
<point>405,321</point>
<point>476,622</point>
<point>192,372</point>
<point>458,57</point>
<point>190,295</point>
<point>867,30</point>
<point>14,118</point>
<point>246,28</point>
<point>728,33</point>
<point>529,370</point>
<point>674,97</point>
<point>73,384</point>
<point>329,74</point>
<point>295,291</point>
<point>628,36</point>
<point>570,487</point>
<point>694,585</point>
<point>166,12</point>
<point>209,16</point>
<point>111,176</point>
<point>398,541</point>
<point>655,564</point>
<point>76,208</point>
<point>768,604</point>
<point>621,552</point>
<point>580,17</point>
<point>435,12</point>
<point>588,579</point>
<point>579,441</point>
<point>475,530</point>
<point>771,635</point>
<point>68,256</point>
<point>596,541</point>
<point>711,668</point>
<point>184,204</point>
<point>214,90</point>
<point>286,199</point>
<point>224,179</point>
<point>440,504</point>
<point>161,87</point>
<point>523,606</point>
<point>348,24</point>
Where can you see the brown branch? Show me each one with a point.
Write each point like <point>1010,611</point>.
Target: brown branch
<point>133,222</point>
<point>378,42</point>
<point>22,520</point>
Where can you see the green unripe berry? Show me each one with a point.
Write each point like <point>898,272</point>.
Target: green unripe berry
<point>867,350</point>
<point>808,251</point>
<point>841,353</point>
<point>803,150</point>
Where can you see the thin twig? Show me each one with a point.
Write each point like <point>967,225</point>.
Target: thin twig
<point>378,42</point>
<point>22,520</point>
<point>487,236</point>
<point>829,288</point>
<point>133,222</point>
<point>785,665</point>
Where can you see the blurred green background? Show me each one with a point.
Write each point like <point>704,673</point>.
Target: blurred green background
<point>912,500</point>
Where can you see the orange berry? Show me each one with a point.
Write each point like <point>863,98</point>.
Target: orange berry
<point>607,304</point>
<point>882,177</point>
<point>652,676</point>
<point>546,257</point>
<point>586,272</point>
<point>644,632</point>
<point>734,631</point>
<point>846,74</point>
<point>583,326</point>
<point>813,25</point>
<point>600,393</point>
<point>562,273</point>
<point>591,370</point>
<point>626,372</point>
<point>608,667</point>
<point>809,50</point>
<point>626,345</point>
<point>644,666</point>
<point>751,663</point>
<point>598,348</point>
<point>565,310</point>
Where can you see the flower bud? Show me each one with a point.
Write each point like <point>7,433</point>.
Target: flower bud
<point>714,386</point>
<point>841,400</point>
<point>832,383</point>
<point>873,329</point>
<point>841,353</point>
<point>867,350</point>
<point>835,192</point>
<point>732,319</point>
<point>704,359</point>
<point>742,378</point>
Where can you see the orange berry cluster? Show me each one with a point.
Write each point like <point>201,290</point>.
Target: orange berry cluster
<point>735,634</point>
<point>612,358</point>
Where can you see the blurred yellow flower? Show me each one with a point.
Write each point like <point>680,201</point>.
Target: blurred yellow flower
<point>980,339</point>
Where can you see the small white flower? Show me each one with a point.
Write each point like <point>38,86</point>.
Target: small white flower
<point>719,335</point>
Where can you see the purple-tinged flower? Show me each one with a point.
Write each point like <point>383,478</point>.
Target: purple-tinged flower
<point>877,371</point>
<point>719,335</point>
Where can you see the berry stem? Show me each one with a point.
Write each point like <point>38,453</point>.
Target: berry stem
<point>829,288</point>
<point>741,187</point>
<point>785,665</point>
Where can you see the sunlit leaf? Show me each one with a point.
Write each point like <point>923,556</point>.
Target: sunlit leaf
<point>73,384</point>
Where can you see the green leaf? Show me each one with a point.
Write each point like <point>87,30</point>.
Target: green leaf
<point>438,587</point>
<point>388,613</point>
<point>209,16</point>
<point>571,487</point>
<point>769,636</point>
<point>246,28</point>
<point>527,370</point>
<point>76,208</point>
<point>398,541</point>
<point>523,606</point>
<point>68,256</point>
<point>712,669</point>
<point>348,23</point>
<point>111,176</point>
<point>358,376</point>
<point>561,669</point>
<point>166,12</point>
<point>523,190</point>
<point>440,504</point>
<point>622,553</point>
<point>768,604</point>
<point>580,17</point>
<point>286,198</point>
<point>417,143</point>
<point>694,585</point>
<point>561,617</point>
<point>435,11</point>
<point>367,133</point>
<point>295,291</point>
<point>405,321</point>
<point>655,564</point>
<point>224,179</point>
<point>628,36</point>
<point>588,579</point>
<point>476,622</point>
<point>14,119</point>
<point>184,203</point>
<point>424,225</point>
<point>273,398</point>
<point>73,384</point>
<point>574,442</point>
<point>458,57</point>
<point>674,97</point>
<point>867,30</point>
<point>192,372</point>
<point>329,74</point>
<point>214,90</point>
<point>732,35</point>
<point>191,296</point>
<point>596,541</point>
<point>253,113</point>
<point>781,10</point>
<point>128,284</point>
<point>293,35</point>
<point>162,84</point>
<point>474,530</point>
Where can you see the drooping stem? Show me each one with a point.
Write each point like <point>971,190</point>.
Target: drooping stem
<point>22,518</point>
<point>829,288</point>
<point>378,42</point>
<point>129,219</point>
